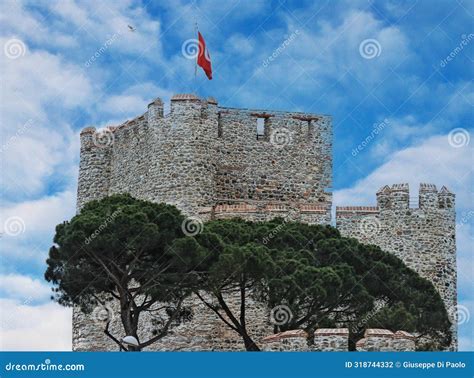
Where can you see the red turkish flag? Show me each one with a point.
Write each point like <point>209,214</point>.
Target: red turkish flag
<point>203,58</point>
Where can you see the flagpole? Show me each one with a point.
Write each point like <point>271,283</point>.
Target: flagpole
<point>195,62</point>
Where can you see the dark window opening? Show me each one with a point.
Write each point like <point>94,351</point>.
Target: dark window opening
<point>219,126</point>
<point>260,128</point>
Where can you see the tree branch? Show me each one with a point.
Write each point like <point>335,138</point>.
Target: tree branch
<point>216,311</point>
<point>164,330</point>
<point>106,331</point>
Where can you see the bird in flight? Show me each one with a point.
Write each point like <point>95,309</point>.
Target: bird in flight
<point>132,29</point>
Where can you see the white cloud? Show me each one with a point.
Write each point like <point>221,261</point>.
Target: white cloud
<point>40,88</point>
<point>135,100</point>
<point>465,343</point>
<point>19,286</point>
<point>32,26</point>
<point>42,215</point>
<point>333,49</point>
<point>106,19</point>
<point>239,44</point>
<point>28,228</point>
<point>432,161</point>
<point>40,78</point>
<point>27,328</point>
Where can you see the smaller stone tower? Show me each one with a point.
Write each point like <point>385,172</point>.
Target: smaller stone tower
<point>423,237</point>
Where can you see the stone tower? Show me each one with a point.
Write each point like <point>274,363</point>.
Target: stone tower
<point>423,236</point>
<point>217,162</point>
<point>211,161</point>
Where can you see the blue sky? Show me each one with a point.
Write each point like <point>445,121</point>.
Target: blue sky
<point>417,79</point>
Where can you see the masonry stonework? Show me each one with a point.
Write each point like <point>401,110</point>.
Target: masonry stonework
<point>421,234</point>
<point>215,162</point>
<point>210,161</point>
<point>337,340</point>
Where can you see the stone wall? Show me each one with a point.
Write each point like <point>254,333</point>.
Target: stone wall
<point>383,340</point>
<point>288,341</point>
<point>201,331</point>
<point>337,340</point>
<point>331,339</point>
<point>423,237</point>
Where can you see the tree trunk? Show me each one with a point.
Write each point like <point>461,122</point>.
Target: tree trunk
<point>130,325</point>
<point>250,346</point>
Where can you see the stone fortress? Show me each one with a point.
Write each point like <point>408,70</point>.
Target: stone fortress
<point>217,162</point>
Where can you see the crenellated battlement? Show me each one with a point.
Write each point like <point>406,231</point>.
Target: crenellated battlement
<point>200,156</point>
<point>398,197</point>
<point>189,107</point>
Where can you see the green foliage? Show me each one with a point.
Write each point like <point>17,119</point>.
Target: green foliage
<point>126,248</point>
<point>322,277</point>
<point>118,247</point>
